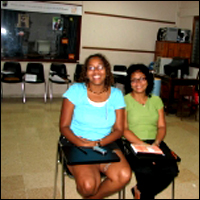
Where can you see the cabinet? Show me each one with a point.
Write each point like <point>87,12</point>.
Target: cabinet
<point>172,49</point>
<point>169,92</point>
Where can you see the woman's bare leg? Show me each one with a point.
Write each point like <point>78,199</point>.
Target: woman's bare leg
<point>87,178</point>
<point>118,175</point>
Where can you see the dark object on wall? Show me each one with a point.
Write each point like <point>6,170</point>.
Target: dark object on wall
<point>177,64</point>
<point>184,35</point>
<point>167,34</point>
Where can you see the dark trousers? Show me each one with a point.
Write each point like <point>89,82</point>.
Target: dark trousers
<point>152,176</point>
<point>152,182</point>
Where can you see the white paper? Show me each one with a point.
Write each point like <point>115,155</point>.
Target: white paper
<point>6,72</point>
<point>57,78</point>
<point>31,77</point>
<point>119,73</point>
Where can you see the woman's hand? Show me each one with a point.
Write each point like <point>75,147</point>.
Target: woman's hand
<point>156,143</point>
<point>87,143</point>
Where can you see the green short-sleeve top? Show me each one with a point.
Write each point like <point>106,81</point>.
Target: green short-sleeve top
<point>143,119</point>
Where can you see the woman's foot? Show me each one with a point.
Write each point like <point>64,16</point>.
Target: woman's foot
<point>135,192</point>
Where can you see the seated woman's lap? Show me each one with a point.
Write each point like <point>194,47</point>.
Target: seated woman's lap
<point>117,171</point>
<point>93,171</point>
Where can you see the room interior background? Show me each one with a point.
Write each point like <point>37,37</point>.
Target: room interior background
<point>124,31</point>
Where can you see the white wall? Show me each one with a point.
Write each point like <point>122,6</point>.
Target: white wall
<point>113,32</point>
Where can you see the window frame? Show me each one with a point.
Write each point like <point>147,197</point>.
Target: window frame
<point>73,58</point>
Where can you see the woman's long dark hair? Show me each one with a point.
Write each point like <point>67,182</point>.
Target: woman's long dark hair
<point>109,77</point>
<point>141,68</point>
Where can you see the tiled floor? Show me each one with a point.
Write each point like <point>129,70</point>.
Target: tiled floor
<point>29,133</point>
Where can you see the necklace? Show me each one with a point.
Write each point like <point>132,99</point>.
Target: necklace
<point>98,93</point>
<point>140,101</point>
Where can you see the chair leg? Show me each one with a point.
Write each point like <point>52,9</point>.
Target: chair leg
<point>23,92</point>
<point>24,100</point>
<point>1,91</point>
<point>56,175</point>
<point>63,177</point>
<point>173,186</point>
<point>50,91</point>
<point>122,193</point>
<point>45,92</point>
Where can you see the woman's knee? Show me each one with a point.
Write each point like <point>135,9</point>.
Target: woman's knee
<point>125,175</point>
<point>87,187</point>
<point>122,176</point>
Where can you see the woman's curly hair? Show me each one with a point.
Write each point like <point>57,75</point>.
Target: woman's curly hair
<point>109,76</point>
<point>141,68</point>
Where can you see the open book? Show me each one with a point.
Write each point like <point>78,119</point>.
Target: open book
<point>146,149</point>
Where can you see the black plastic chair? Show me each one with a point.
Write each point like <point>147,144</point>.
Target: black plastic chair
<point>12,73</point>
<point>35,75</point>
<point>58,74</point>
<point>77,72</point>
<point>119,78</point>
<point>176,64</point>
<point>65,171</point>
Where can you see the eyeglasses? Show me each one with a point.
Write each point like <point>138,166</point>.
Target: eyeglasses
<point>99,67</point>
<point>141,79</point>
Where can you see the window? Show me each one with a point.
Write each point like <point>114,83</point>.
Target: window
<point>195,43</point>
<point>38,35</point>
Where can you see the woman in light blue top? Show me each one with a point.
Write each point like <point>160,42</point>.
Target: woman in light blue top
<point>93,114</point>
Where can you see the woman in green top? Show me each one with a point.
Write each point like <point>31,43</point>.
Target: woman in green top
<point>145,124</point>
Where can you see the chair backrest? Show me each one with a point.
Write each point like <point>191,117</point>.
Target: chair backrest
<point>78,68</point>
<point>14,67</point>
<point>121,68</point>
<point>177,63</point>
<point>78,71</point>
<point>37,69</point>
<point>59,68</point>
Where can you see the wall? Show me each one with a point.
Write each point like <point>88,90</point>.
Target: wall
<point>187,10</point>
<point>113,32</point>
<point>136,35</point>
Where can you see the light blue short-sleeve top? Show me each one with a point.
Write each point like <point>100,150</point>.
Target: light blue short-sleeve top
<point>89,120</point>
